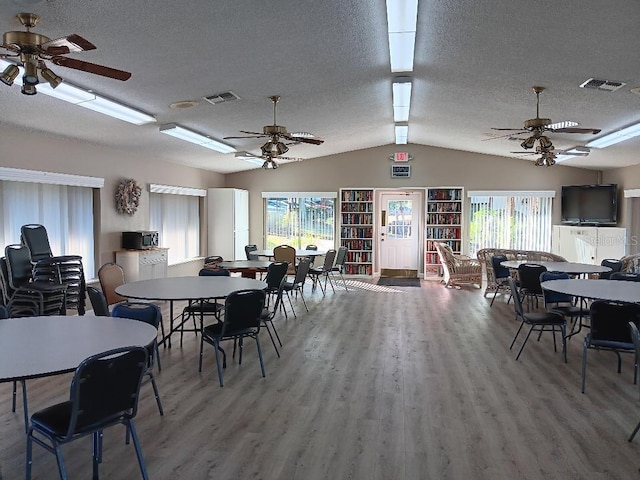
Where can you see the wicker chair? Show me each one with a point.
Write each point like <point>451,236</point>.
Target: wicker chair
<point>485,254</point>
<point>458,269</point>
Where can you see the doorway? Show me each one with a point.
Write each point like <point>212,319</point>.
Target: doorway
<point>399,233</point>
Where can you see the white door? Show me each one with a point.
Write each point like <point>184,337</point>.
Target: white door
<point>398,241</point>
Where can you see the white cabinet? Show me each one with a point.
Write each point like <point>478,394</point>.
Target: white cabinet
<point>143,264</point>
<point>228,222</point>
<point>588,244</point>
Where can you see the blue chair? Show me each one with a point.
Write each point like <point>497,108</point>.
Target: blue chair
<point>613,264</point>
<point>562,303</point>
<point>626,276</point>
<point>148,313</point>
<point>501,275</point>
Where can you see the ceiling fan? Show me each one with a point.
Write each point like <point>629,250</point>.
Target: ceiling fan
<point>275,147</point>
<point>30,50</point>
<point>537,127</point>
<point>266,160</point>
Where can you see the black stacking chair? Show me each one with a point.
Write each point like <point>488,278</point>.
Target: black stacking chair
<point>242,319</point>
<point>104,392</point>
<point>36,239</point>
<point>562,303</point>
<point>501,275</point>
<point>613,264</point>
<point>276,272</point>
<point>324,271</point>
<point>635,336</point>
<point>338,265</point>
<point>147,313</point>
<point>610,331</point>
<point>529,282</point>
<point>537,321</point>
<point>201,308</point>
<point>49,296</point>
<point>19,302</point>
<point>297,285</point>
<point>268,314</point>
<point>247,251</point>
<point>311,247</point>
<point>98,302</point>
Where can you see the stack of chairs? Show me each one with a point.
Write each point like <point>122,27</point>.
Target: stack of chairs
<point>66,270</point>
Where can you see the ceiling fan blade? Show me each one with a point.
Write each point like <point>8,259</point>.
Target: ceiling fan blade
<point>260,134</point>
<point>514,129</point>
<point>504,136</point>
<point>68,44</point>
<point>575,130</point>
<point>311,140</point>
<point>91,68</point>
<point>11,47</point>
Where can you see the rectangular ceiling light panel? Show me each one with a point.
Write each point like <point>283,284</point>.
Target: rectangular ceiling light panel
<point>402,134</point>
<point>401,101</point>
<point>196,138</point>
<point>402,18</point>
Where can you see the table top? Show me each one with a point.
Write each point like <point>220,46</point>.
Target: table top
<point>614,290</point>
<point>33,347</point>
<point>187,288</point>
<point>565,267</point>
<point>245,264</point>
<point>299,253</point>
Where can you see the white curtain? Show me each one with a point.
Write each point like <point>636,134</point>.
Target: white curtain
<point>177,219</point>
<point>512,221</point>
<point>65,211</point>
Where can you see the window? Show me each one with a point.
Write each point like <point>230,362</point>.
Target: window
<point>175,214</point>
<point>514,220</point>
<point>300,219</point>
<point>65,211</point>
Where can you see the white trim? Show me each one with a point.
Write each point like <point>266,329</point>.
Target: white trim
<point>632,193</point>
<point>35,176</point>
<point>193,192</point>
<point>299,194</point>
<point>511,193</point>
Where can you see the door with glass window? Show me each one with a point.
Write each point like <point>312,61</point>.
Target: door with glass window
<point>399,236</point>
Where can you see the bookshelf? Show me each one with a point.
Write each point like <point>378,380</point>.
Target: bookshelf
<point>443,224</point>
<point>356,229</point>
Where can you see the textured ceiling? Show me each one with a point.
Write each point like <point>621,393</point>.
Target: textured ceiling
<point>329,61</point>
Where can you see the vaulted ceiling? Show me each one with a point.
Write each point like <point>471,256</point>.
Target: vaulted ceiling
<point>475,64</point>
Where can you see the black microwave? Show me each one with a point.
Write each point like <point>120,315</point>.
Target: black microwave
<point>140,240</point>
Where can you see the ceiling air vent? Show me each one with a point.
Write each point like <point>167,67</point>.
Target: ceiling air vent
<point>221,97</point>
<point>604,85</point>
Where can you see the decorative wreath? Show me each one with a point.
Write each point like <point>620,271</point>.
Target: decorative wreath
<point>128,196</point>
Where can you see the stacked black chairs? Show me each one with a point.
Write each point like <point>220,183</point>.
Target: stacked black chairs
<point>18,302</point>
<point>148,313</point>
<point>104,393</point>
<point>501,275</point>
<point>66,269</point>
<point>242,319</point>
<point>537,321</point>
<point>610,331</point>
<point>49,295</point>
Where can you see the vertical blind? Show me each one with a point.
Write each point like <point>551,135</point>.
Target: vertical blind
<point>513,220</point>
<point>65,211</point>
<point>177,219</point>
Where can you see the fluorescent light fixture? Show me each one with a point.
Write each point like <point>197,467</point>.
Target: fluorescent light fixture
<point>402,18</point>
<point>401,99</point>
<point>578,151</point>
<point>248,157</point>
<point>616,137</point>
<point>402,132</point>
<point>116,110</point>
<point>193,137</point>
<point>72,94</point>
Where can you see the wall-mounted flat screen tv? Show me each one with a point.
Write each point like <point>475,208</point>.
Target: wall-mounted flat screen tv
<point>590,204</point>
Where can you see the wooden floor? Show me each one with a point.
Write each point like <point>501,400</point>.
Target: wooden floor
<point>375,383</point>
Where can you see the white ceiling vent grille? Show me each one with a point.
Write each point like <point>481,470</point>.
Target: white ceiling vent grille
<point>221,97</point>
<point>604,85</point>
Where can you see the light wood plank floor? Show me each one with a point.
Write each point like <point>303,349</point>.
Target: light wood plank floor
<point>375,383</point>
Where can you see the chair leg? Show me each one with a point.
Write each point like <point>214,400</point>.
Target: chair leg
<point>635,430</point>
<point>584,365</point>
<point>266,326</point>
<point>29,461</point>
<point>291,304</point>
<point>136,444</point>
<point>516,335</point>
<point>156,392</point>
<point>260,356</point>
<point>25,407</point>
<point>303,300</point>
<point>524,343</point>
<point>218,366</point>
<point>158,356</point>
<point>95,453</point>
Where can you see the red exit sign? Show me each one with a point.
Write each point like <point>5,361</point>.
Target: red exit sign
<point>401,157</point>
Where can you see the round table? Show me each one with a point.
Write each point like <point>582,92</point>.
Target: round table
<point>248,268</point>
<point>194,288</point>
<point>613,290</point>
<point>572,268</point>
<point>32,347</point>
